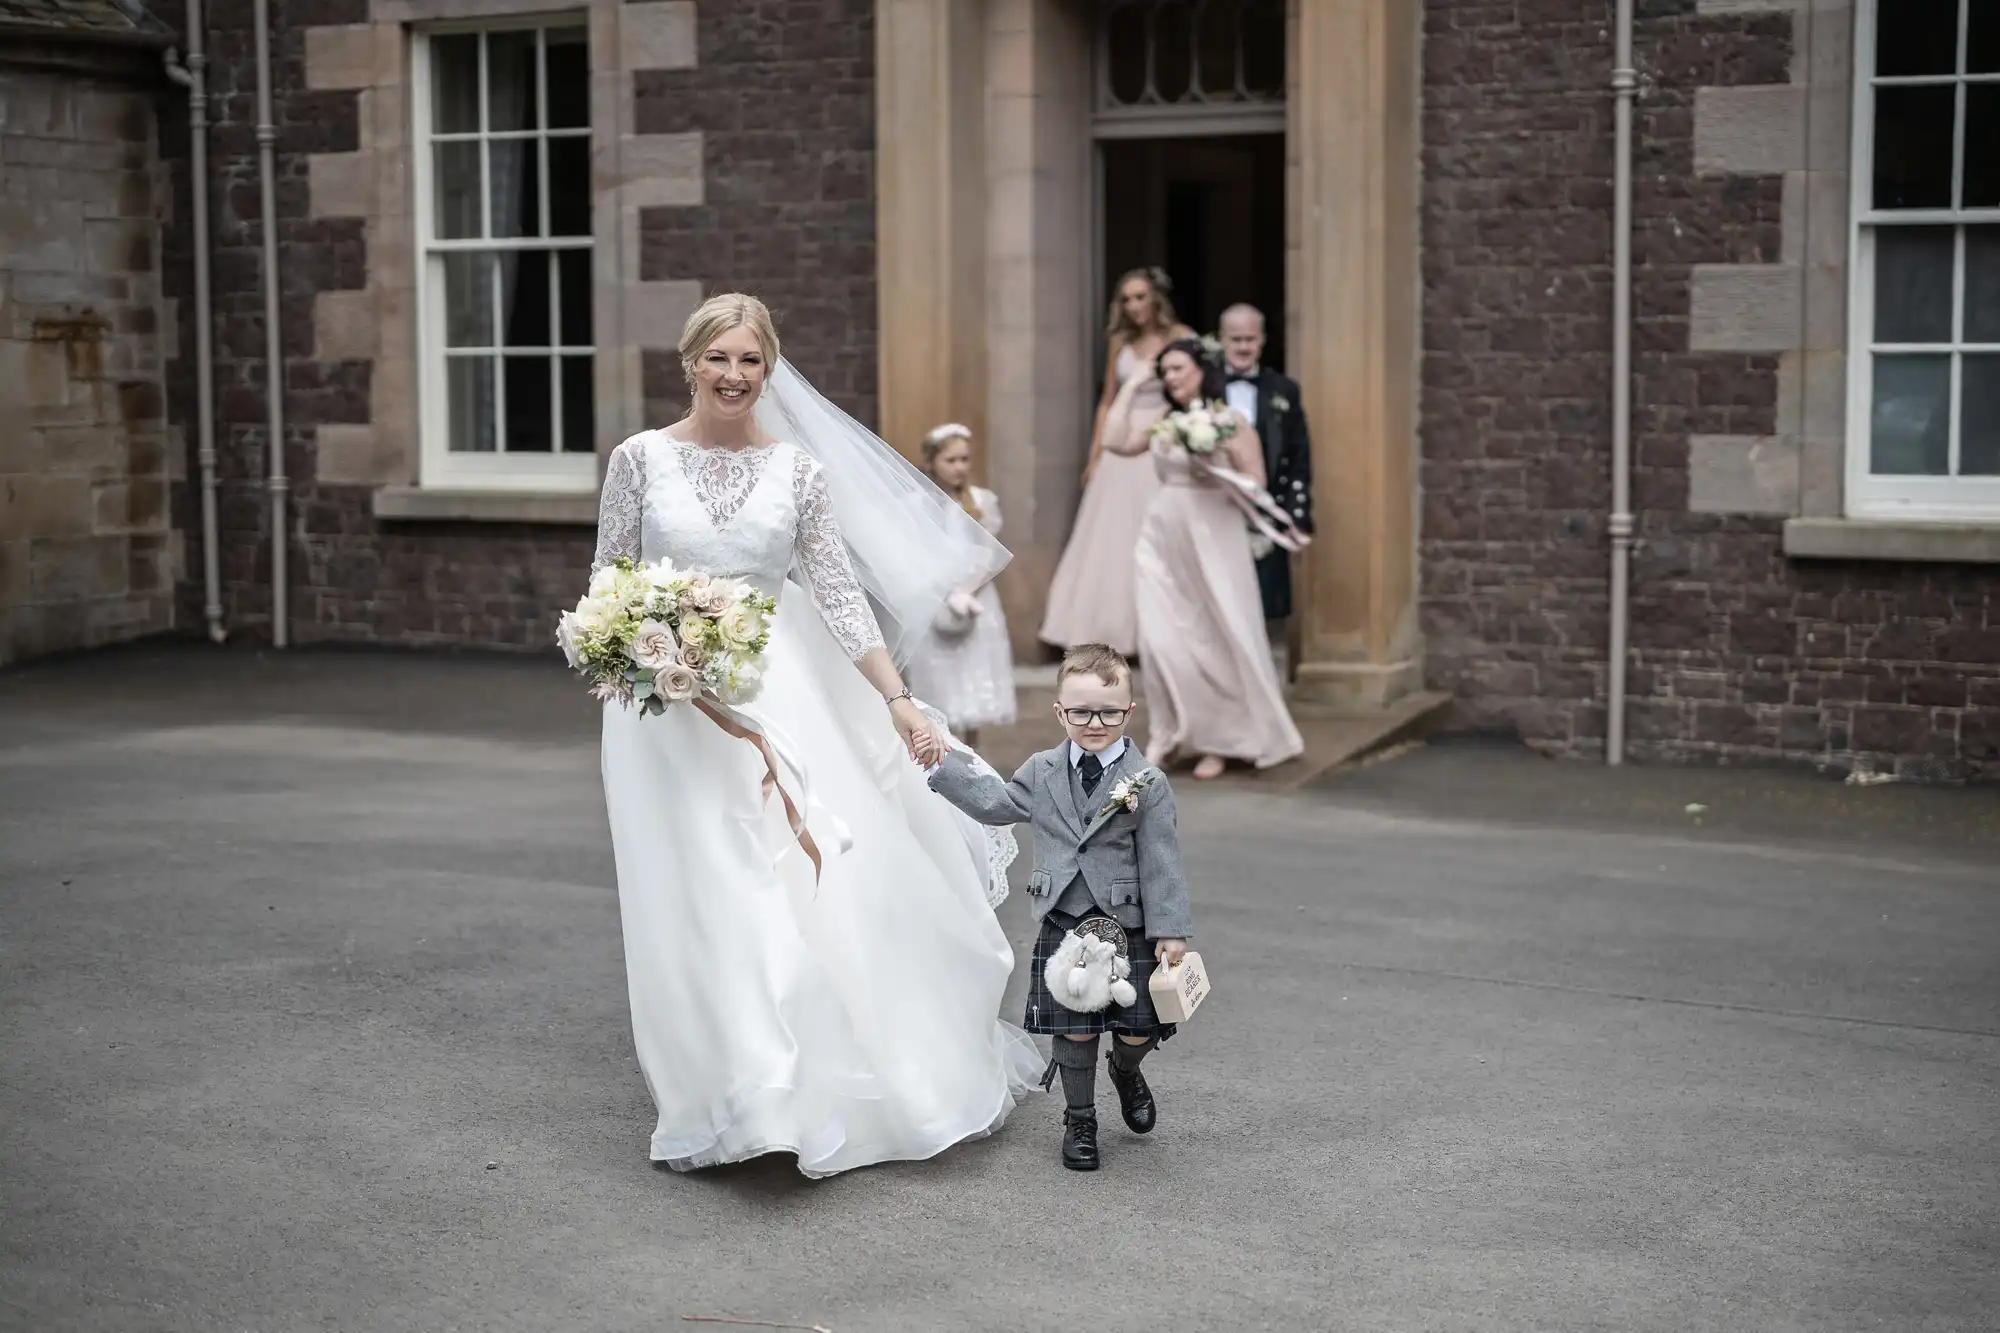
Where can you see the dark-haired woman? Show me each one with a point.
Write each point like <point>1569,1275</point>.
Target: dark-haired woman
<point>1211,689</point>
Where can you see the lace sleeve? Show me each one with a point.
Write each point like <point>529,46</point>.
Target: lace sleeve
<point>822,559</point>
<point>621,505</point>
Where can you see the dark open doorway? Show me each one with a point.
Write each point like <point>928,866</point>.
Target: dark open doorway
<point>1209,210</point>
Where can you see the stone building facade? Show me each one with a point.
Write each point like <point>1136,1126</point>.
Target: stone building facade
<point>916,187</point>
<point>87,554</point>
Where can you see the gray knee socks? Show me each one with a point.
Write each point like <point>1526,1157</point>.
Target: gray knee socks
<point>1127,1056</point>
<point>1078,1062</point>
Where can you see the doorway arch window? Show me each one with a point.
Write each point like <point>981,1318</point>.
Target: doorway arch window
<point>1219,62</point>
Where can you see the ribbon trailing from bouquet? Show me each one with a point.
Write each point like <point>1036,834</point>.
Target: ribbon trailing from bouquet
<point>779,754</point>
<point>1265,513</point>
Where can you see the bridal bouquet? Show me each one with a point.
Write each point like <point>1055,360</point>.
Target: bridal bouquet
<point>653,635</point>
<point>1200,429</point>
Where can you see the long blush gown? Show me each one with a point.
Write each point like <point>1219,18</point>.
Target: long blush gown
<point>849,1022</point>
<point>1210,684</point>
<point>1090,598</point>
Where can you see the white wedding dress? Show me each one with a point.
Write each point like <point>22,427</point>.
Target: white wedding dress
<point>850,1021</point>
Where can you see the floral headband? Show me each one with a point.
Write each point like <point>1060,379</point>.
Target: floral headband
<point>951,430</point>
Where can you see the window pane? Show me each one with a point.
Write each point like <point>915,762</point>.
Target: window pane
<point>510,81</point>
<point>1982,145</point>
<point>1982,38</point>
<point>1913,129</point>
<point>1173,49</point>
<point>1911,428</point>
<point>468,300</point>
<point>1913,284</point>
<point>1979,423</point>
<point>569,78</point>
<point>469,403</point>
<point>457,206</point>
<point>1125,35</point>
<point>574,289</point>
<point>569,187</point>
<point>1215,45</point>
<point>1982,284</point>
<point>1264,47</point>
<point>1918,37</point>
<point>524,298</point>
<point>517,189</point>
<point>579,406</point>
<point>530,428</point>
<point>455,84</point>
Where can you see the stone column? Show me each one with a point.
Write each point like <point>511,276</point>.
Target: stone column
<point>930,206</point>
<point>1353,121</point>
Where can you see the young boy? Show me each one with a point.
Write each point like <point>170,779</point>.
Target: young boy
<point>1094,857</point>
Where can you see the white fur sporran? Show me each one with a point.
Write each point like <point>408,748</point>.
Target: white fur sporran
<point>1089,971</point>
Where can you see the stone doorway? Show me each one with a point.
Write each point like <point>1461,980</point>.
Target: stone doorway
<point>1211,211</point>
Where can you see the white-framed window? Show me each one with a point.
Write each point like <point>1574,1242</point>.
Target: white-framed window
<point>501,114</point>
<point>1924,378</point>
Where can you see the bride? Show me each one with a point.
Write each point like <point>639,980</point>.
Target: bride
<point>825,985</point>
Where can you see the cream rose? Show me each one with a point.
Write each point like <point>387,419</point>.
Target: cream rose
<point>676,683</point>
<point>694,631</point>
<point>737,625</point>
<point>594,615</point>
<point>1201,435</point>
<point>716,598</point>
<point>566,640</point>
<point>652,645</point>
<point>694,657</point>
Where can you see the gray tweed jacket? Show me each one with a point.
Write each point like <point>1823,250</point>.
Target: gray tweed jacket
<point>1128,861</point>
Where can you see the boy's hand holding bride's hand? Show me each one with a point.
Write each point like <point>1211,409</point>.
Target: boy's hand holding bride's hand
<point>1170,952</point>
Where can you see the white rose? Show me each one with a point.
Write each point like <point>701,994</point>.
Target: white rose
<point>652,645</point>
<point>603,581</point>
<point>1201,436</point>
<point>593,615</point>
<point>737,625</point>
<point>566,640</point>
<point>745,682</point>
<point>694,630</point>
<point>676,683</point>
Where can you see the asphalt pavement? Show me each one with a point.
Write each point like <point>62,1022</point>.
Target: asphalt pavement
<point>312,1016</point>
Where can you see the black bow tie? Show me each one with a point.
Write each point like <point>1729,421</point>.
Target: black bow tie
<point>1245,376</point>
<point>1092,770</point>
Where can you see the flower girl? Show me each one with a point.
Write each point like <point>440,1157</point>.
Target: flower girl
<point>965,666</point>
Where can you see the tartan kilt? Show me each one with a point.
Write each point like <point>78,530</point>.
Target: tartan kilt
<point>1139,1019</point>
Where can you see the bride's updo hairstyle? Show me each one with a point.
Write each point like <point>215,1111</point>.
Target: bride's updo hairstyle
<point>715,317</point>
<point>1213,385</point>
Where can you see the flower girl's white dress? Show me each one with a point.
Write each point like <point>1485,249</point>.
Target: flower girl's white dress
<point>849,1022</point>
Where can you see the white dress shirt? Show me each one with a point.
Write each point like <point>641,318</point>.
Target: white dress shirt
<point>1108,756</point>
<point>1242,395</point>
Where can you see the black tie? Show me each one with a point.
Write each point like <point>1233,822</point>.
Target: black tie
<point>1245,376</point>
<point>1092,770</point>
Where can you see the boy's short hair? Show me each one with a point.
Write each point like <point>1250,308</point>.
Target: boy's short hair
<point>1094,659</point>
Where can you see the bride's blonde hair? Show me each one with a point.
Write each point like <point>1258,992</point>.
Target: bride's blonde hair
<point>715,317</point>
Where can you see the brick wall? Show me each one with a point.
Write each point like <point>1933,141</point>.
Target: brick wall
<point>783,94</point>
<point>86,553</point>
<point>1737,652</point>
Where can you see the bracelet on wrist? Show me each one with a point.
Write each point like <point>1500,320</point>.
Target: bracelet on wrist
<point>904,695</point>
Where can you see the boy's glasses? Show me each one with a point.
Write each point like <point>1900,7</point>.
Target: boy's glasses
<point>1103,717</point>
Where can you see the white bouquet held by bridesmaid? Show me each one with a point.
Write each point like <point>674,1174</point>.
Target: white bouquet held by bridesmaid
<point>649,635</point>
<point>1199,429</point>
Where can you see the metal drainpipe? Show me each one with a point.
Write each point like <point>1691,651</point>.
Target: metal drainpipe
<point>194,78</point>
<point>1624,84</point>
<point>275,481</point>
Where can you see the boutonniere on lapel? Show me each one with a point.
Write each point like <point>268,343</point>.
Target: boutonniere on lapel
<point>1125,794</point>
<point>1280,403</point>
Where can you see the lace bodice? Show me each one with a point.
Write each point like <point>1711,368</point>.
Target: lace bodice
<point>756,514</point>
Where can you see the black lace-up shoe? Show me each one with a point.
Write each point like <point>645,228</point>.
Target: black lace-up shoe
<point>1135,1099</point>
<point>1079,1141</point>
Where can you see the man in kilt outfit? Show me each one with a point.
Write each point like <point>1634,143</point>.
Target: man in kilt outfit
<point>1105,847</point>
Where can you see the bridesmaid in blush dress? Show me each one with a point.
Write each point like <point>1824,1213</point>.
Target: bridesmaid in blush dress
<point>1211,687</point>
<point>1090,597</point>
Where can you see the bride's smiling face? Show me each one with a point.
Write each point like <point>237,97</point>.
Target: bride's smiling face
<point>729,374</point>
